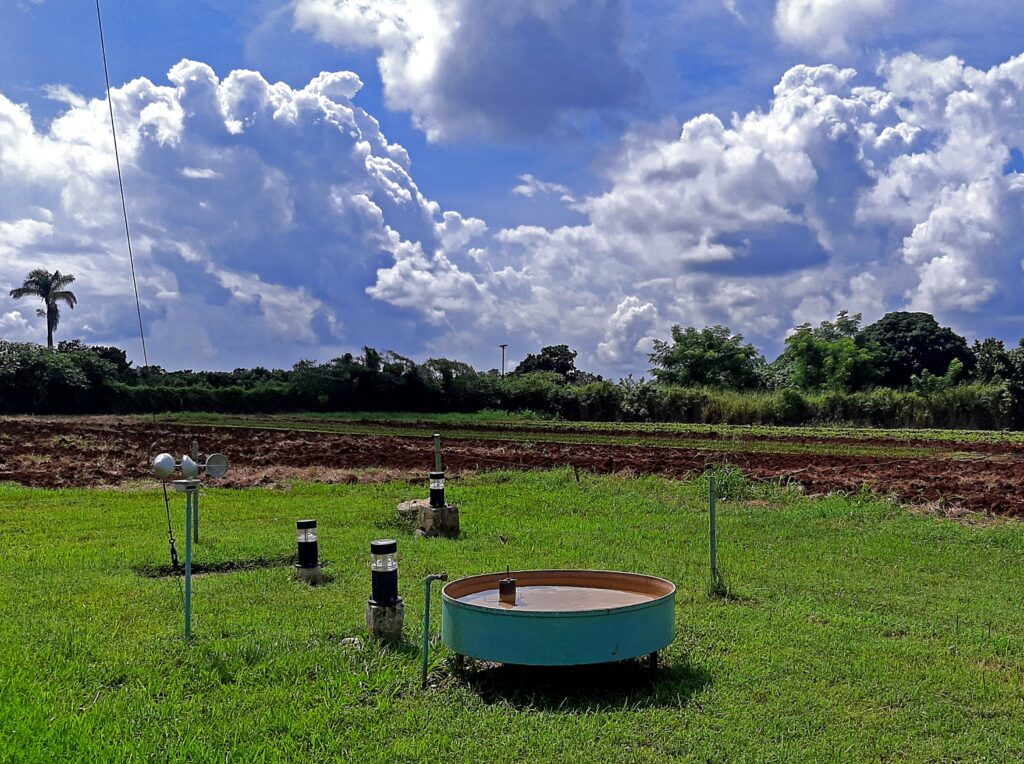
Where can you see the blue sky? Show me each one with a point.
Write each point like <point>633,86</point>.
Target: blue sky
<point>530,172</point>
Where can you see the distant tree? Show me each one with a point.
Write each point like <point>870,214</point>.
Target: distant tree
<point>927,383</point>
<point>446,371</point>
<point>312,381</point>
<point>586,378</point>
<point>398,365</point>
<point>1015,381</point>
<point>116,357</point>
<point>912,343</point>
<point>35,381</point>
<point>832,355</point>
<point>371,359</point>
<point>51,288</point>
<point>256,376</point>
<point>711,356</point>
<point>557,358</point>
<point>991,362</point>
<point>463,388</point>
<point>777,374</point>
<point>639,399</point>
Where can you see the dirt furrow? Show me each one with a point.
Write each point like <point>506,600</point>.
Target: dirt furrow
<point>52,453</point>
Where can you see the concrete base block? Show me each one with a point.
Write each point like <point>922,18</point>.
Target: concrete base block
<point>443,521</point>
<point>409,511</point>
<point>386,621</point>
<point>311,576</point>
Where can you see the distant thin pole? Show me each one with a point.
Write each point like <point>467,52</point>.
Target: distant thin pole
<point>503,358</point>
<point>120,183</point>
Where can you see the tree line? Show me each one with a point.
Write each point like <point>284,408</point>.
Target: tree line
<point>905,370</point>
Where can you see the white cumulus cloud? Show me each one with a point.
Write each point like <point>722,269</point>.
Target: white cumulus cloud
<point>260,215</point>
<point>826,25</point>
<point>13,325</point>
<point>466,69</point>
<point>530,187</point>
<point>839,195</point>
<point>274,221</point>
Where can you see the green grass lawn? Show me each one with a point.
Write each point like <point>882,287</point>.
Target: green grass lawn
<point>856,631</point>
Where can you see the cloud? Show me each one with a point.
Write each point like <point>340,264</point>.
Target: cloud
<point>63,94</point>
<point>531,187</point>
<point>730,5</point>
<point>840,195</point>
<point>273,222</point>
<point>826,25</point>
<point>199,173</point>
<point>857,31</point>
<point>628,331</point>
<point>260,214</point>
<point>466,69</point>
<point>13,323</point>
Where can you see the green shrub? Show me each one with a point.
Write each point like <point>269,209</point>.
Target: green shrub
<point>793,407</point>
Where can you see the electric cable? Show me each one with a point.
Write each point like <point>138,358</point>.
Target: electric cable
<point>170,531</point>
<point>120,183</point>
<point>175,565</point>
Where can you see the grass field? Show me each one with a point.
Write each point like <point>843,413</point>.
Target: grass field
<point>855,630</point>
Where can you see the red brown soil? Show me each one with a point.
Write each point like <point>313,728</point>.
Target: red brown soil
<point>90,452</point>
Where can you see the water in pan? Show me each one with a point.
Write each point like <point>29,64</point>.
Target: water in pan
<point>558,598</point>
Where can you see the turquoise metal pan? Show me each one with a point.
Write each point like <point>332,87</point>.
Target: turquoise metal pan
<point>561,617</point>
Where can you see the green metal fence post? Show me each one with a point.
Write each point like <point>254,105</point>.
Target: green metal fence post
<point>195,500</point>
<point>714,529</point>
<point>189,493</point>
<point>195,516</point>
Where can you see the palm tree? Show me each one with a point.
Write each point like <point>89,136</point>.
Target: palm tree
<point>50,288</point>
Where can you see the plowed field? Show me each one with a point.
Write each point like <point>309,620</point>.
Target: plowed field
<point>56,453</point>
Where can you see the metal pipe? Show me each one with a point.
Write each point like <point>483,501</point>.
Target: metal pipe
<point>426,618</point>
<point>437,452</point>
<point>189,494</point>
<point>195,500</point>
<point>195,517</point>
<point>714,534</point>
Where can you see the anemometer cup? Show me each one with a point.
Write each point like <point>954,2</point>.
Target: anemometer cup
<point>216,465</point>
<point>163,466</point>
<point>189,469</point>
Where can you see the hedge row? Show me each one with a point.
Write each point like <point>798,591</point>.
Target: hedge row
<point>974,406</point>
<point>36,381</point>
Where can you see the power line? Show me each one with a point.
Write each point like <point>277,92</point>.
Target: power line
<point>120,183</point>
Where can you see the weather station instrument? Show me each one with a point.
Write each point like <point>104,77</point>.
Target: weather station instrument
<point>165,467</point>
